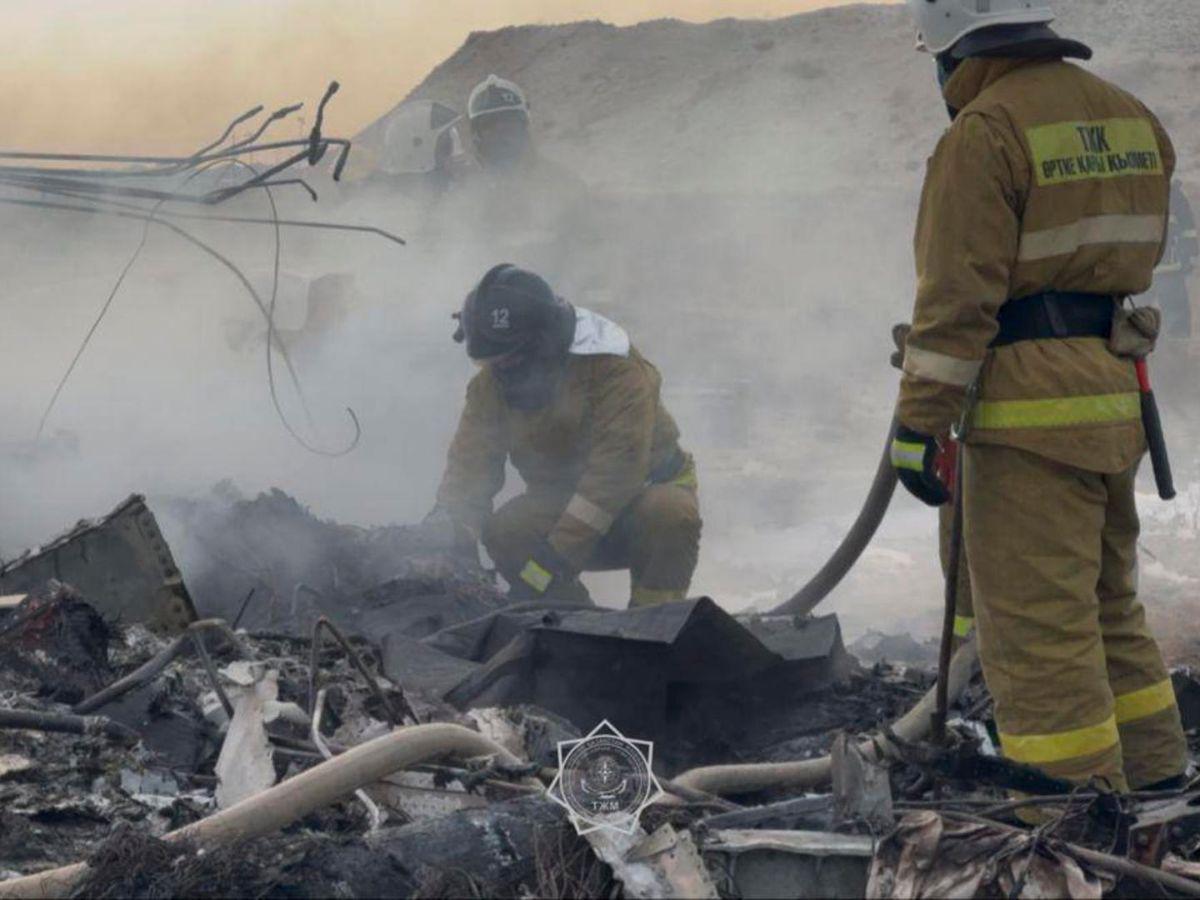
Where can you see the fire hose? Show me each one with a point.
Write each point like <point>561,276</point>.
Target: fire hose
<point>339,777</point>
<point>879,498</point>
<point>808,774</point>
<point>295,798</point>
<point>883,486</point>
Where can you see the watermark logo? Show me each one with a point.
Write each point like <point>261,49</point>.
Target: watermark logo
<point>605,780</point>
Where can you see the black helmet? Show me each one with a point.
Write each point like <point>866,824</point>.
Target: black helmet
<point>1027,40</point>
<point>514,310</point>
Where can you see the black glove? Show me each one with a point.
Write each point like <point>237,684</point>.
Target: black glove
<point>546,569</point>
<point>900,339</point>
<point>922,463</point>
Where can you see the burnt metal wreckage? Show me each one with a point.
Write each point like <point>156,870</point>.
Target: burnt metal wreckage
<point>391,730</point>
<point>138,187</point>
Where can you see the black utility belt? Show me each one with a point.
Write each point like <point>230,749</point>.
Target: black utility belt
<point>1055,314</point>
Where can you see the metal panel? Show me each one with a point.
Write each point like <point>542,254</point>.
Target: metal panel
<point>120,564</point>
<point>794,864</point>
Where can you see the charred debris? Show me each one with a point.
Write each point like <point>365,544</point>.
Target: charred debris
<point>343,713</point>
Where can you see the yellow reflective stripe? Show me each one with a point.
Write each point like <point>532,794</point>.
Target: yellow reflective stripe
<point>939,367</point>
<point>536,577</point>
<point>591,515</point>
<point>1058,411</point>
<point>963,625</point>
<point>1145,702</point>
<point>687,478</point>
<point>644,596</point>
<point>908,455</point>
<point>1094,230</point>
<point>1104,148</point>
<point>1050,748</point>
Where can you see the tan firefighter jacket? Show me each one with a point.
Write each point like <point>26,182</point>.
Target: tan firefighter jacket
<point>1049,179</point>
<point>596,447</point>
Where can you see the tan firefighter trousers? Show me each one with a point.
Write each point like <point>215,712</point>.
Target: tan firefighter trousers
<point>1079,684</point>
<point>656,537</point>
<point>964,608</point>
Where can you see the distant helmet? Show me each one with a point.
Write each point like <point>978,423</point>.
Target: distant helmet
<point>495,95</point>
<point>515,311</point>
<point>943,23</point>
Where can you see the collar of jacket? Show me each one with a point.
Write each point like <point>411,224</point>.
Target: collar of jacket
<point>596,336</point>
<point>976,74</point>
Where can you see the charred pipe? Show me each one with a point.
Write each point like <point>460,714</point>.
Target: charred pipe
<point>151,669</point>
<point>395,716</point>
<point>316,146</point>
<point>35,720</point>
<point>128,211</point>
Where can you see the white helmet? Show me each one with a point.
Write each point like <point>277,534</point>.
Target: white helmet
<point>420,138</point>
<point>943,23</point>
<point>493,95</point>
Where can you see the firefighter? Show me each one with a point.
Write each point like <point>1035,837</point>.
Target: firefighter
<point>564,396</point>
<point>1044,207</point>
<point>498,118</point>
<point>509,191</point>
<point>499,121</point>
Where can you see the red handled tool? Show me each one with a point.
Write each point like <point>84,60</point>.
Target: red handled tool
<point>945,463</point>
<point>1152,424</point>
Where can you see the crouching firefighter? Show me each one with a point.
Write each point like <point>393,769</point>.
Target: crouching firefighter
<point>1044,209</point>
<point>563,394</point>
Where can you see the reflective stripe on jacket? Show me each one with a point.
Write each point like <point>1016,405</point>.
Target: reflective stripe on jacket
<point>1049,179</point>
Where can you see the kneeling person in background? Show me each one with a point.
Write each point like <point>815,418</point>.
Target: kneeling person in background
<point>563,394</point>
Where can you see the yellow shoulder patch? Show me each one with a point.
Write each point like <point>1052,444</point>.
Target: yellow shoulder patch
<point>1105,148</point>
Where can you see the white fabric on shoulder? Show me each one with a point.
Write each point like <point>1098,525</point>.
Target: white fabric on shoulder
<point>597,336</point>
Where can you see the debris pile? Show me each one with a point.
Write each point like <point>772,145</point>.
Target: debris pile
<point>300,567</point>
<point>388,753</point>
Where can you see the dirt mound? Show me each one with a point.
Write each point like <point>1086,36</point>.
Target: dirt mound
<point>833,97</point>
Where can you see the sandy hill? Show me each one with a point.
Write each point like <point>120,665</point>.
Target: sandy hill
<point>835,97</point>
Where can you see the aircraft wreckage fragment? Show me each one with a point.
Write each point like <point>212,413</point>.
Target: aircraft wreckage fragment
<point>107,725</point>
<point>121,562</point>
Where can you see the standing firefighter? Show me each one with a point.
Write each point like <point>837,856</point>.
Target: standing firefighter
<point>577,409</point>
<point>1044,207</point>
